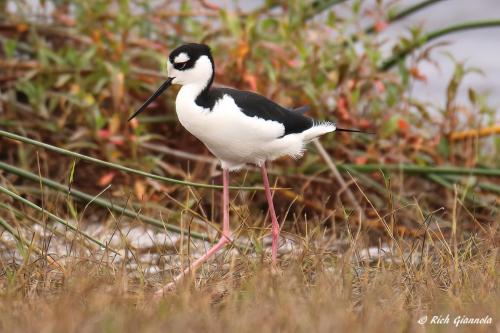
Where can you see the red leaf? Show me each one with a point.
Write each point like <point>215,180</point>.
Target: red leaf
<point>293,63</point>
<point>417,74</point>
<point>104,134</point>
<point>116,140</point>
<point>380,25</point>
<point>342,108</point>
<point>364,123</point>
<point>106,178</point>
<point>251,80</point>
<point>360,160</point>
<point>403,125</point>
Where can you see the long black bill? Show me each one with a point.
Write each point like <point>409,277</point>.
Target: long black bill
<point>157,93</point>
<point>351,130</point>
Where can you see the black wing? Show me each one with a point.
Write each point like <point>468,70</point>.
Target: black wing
<point>302,109</point>
<point>255,105</point>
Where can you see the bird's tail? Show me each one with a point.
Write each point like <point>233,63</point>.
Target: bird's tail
<point>305,108</point>
<point>326,127</point>
<point>318,130</point>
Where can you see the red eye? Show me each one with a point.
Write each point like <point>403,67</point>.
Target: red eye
<point>181,65</point>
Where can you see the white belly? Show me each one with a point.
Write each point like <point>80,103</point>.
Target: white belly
<point>233,137</point>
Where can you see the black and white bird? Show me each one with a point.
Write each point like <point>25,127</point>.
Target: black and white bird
<point>238,127</point>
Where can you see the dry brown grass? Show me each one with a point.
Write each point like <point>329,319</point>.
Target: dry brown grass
<point>316,290</point>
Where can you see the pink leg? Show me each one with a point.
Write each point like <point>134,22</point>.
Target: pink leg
<point>275,224</point>
<point>223,241</point>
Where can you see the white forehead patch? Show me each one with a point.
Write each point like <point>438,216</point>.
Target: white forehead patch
<point>182,57</point>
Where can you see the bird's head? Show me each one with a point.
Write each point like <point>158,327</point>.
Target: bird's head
<point>191,63</point>
<point>188,64</point>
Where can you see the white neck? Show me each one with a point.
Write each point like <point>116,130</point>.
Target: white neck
<point>185,103</point>
<point>191,91</point>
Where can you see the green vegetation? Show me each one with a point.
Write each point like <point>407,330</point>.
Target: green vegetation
<point>76,179</point>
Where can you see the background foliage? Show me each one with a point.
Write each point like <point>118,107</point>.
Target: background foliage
<point>71,73</point>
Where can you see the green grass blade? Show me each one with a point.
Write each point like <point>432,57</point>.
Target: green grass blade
<point>98,201</point>
<point>404,13</point>
<point>320,6</point>
<point>393,60</point>
<point>471,198</point>
<point>54,217</point>
<point>417,169</point>
<point>19,238</point>
<point>12,231</point>
<point>117,166</point>
<point>481,184</point>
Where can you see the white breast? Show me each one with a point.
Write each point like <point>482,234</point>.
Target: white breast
<point>233,137</point>
<point>190,115</point>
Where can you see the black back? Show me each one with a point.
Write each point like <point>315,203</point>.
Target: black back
<point>255,105</point>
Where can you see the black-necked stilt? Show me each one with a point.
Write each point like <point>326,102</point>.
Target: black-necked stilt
<point>238,127</point>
